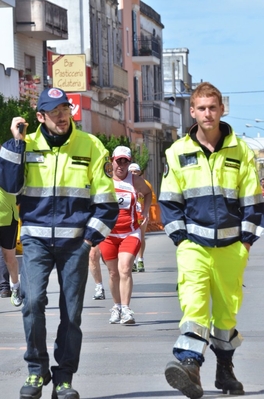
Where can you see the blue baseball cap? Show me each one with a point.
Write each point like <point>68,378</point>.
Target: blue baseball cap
<point>50,98</point>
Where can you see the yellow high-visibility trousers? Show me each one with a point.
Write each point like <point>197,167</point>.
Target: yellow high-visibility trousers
<point>210,283</point>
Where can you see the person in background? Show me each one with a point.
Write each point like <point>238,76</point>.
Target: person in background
<point>9,269</point>
<point>68,205</point>
<point>5,291</point>
<point>95,269</point>
<point>11,154</point>
<point>212,209</point>
<point>171,100</point>
<point>120,248</point>
<point>139,265</point>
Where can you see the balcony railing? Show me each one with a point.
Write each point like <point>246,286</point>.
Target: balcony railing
<point>146,46</point>
<point>147,112</point>
<point>120,78</point>
<point>41,20</point>
<point>158,111</point>
<point>116,93</point>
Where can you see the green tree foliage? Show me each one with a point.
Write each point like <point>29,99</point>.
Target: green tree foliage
<point>11,108</point>
<point>112,142</point>
<point>141,157</point>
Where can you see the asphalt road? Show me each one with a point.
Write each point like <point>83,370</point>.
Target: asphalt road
<point>121,362</point>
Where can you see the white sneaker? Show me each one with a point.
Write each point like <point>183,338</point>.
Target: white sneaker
<point>99,293</point>
<point>16,299</point>
<point>127,316</point>
<point>115,315</point>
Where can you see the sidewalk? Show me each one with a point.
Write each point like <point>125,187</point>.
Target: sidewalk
<point>121,362</point>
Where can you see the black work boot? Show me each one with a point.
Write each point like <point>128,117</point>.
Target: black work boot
<point>185,377</point>
<point>225,378</point>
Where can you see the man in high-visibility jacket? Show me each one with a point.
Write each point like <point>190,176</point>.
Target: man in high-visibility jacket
<point>212,209</point>
<point>68,205</point>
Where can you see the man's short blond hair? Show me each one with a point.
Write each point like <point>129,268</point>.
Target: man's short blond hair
<point>206,89</point>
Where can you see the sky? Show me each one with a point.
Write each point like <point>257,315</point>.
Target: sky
<point>225,40</point>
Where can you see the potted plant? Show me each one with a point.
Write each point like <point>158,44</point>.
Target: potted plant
<point>36,79</point>
<point>28,77</point>
<point>145,50</point>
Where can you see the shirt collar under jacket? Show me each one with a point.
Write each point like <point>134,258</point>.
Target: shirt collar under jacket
<point>191,144</point>
<point>56,140</point>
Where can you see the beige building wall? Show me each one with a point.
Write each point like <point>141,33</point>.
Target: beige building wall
<point>133,69</point>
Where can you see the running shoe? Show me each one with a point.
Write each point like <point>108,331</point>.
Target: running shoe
<point>5,293</point>
<point>64,391</point>
<point>16,299</point>
<point>32,388</point>
<point>127,316</point>
<point>115,315</point>
<point>99,293</point>
<point>140,266</point>
<point>134,268</point>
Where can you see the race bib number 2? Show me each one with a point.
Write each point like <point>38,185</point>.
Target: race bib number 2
<point>124,200</point>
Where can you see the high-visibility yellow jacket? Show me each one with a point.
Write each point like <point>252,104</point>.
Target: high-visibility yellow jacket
<point>12,166</point>
<point>68,195</point>
<point>213,202</point>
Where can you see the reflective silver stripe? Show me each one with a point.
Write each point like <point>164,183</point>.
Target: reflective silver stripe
<point>46,232</point>
<point>198,329</point>
<point>10,156</point>
<point>68,232</point>
<point>170,196</point>
<point>226,192</point>
<point>173,226</point>
<point>192,344</point>
<point>72,192</point>
<point>200,231</point>
<point>99,226</point>
<point>223,335</point>
<point>228,232</point>
<point>209,190</point>
<point>252,200</point>
<point>35,231</point>
<point>103,198</point>
<point>252,228</point>
<point>59,192</point>
<point>209,233</point>
<point>38,191</point>
<point>221,339</point>
<point>198,192</point>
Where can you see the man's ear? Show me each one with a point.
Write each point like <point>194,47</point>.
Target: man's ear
<point>40,117</point>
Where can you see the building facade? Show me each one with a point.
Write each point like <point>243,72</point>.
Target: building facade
<point>27,25</point>
<point>94,30</point>
<point>149,119</point>
<point>178,84</point>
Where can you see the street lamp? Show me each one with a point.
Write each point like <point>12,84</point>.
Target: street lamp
<point>257,146</point>
<point>252,142</point>
<point>256,127</point>
<point>259,120</point>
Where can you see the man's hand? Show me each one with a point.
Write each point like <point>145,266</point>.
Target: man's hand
<point>19,128</point>
<point>246,245</point>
